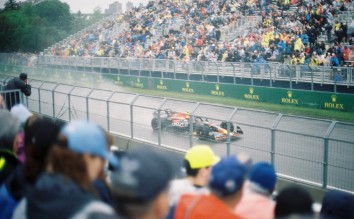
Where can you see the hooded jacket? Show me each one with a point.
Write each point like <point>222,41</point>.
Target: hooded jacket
<point>55,196</point>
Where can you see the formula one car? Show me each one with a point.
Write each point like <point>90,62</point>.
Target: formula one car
<point>202,128</point>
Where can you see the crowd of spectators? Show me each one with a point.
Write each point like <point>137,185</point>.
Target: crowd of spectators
<point>53,169</point>
<point>194,30</point>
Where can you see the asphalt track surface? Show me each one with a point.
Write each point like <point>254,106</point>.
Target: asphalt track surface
<point>299,143</point>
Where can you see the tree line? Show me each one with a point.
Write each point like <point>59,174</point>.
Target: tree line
<point>33,26</point>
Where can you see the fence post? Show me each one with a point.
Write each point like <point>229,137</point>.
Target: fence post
<point>228,140</point>
<point>191,124</point>
<point>108,113</point>
<point>87,105</point>
<point>325,154</point>
<point>272,150</point>
<point>53,97</point>
<point>132,116</point>
<point>69,102</point>
<point>159,121</point>
<point>39,98</point>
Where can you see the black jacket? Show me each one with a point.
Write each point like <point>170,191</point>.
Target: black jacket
<point>13,98</point>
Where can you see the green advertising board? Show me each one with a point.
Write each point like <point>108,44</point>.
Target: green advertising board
<point>315,99</point>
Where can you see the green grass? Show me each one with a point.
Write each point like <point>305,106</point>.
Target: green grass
<point>284,109</point>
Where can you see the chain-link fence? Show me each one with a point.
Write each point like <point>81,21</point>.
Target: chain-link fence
<point>319,152</point>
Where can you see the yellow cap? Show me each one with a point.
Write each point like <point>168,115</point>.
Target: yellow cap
<point>201,156</point>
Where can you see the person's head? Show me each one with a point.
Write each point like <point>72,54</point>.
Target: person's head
<point>140,184</point>
<point>9,128</point>
<point>23,77</point>
<point>80,152</point>
<point>40,135</point>
<point>263,178</point>
<point>293,201</point>
<point>198,162</point>
<point>226,180</point>
<point>337,205</point>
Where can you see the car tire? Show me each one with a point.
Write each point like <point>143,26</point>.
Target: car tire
<point>154,124</point>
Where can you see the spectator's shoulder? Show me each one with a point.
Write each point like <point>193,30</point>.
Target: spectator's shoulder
<point>96,209</point>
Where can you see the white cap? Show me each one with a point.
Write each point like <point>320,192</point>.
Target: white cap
<point>21,112</point>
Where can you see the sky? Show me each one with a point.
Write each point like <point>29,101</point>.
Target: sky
<point>87,6</point>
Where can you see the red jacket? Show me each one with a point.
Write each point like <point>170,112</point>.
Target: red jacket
<point>202,206</point>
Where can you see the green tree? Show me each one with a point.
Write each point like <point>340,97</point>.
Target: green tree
<point>55,13</point>
<point>11,5</point>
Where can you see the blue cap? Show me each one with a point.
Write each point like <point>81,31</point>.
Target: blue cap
<point>227,176</point>
<point>263,174</point>
<point>85,137</point>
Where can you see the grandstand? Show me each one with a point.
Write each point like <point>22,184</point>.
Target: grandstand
<point>224,31</point>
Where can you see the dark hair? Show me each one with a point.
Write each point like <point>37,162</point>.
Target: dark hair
<point>189,170</point>
<point>40,134</point>
<point>293,200</point>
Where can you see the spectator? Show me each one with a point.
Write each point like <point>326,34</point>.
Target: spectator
<point>257,193</point>
<point>40,135</point>
<point>9,129</point>
<point>140,184</point>
<point>226,181</point>
<point>72,165</point>
<point>334,61</point>
<point>21,84</point>
<point>22,113</point>
<point>197,163</point>
<point>337,205</point>
<point>293,201</point>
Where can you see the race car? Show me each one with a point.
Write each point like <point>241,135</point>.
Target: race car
<point>202,128</point>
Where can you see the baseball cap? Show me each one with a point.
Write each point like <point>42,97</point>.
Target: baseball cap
<point>337,204</point>
<point>21,112</point>
<point>23,76</point>
<point>227,176</point>
<point>142,175</point>
<point>263,174</point>
<point>87,137</point>
<point>201,156</point>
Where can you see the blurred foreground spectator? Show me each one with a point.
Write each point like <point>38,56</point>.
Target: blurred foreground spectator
<point>337,205</point>
<point>256,201</point>
<point>197,163</point>
<point>226,181</point>
<point>40,134</point>
<point>293,202</point>
<point>9,128</point>
<point>22,113</point>
<point>140,184</point>
<point>65,190</point>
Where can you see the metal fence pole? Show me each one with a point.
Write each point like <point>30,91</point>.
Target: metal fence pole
<point>53,97</point>
<point>191,124</point>
<point>108,112</point>
<point>272,150</point>
<point>69,103</point>
<point>325,154</point>
<point>132,116</point>
<point>39,98</point>
<point>228,124</point>
<point>87,105</point>
<point>159,121</point>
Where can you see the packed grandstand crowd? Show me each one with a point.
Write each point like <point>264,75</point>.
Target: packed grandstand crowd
<point>294,32</point>
<point>53,169</point>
